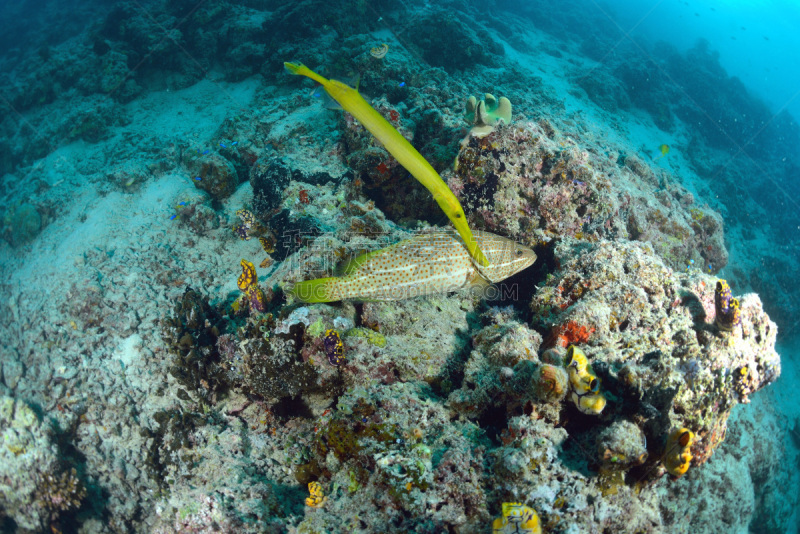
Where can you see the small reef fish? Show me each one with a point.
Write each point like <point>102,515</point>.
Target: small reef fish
<point>399,147</point>
<point>664,149</point>
<point>517,519</point>
<point>436,262</point>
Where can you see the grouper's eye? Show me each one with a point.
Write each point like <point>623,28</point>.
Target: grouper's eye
<point>519,252</point>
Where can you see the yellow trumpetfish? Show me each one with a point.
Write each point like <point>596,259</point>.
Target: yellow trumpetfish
<point>401,149</point>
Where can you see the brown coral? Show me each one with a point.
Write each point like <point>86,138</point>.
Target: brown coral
<point>59,493</point>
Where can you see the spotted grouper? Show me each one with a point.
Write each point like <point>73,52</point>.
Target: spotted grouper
<point>436,262</point>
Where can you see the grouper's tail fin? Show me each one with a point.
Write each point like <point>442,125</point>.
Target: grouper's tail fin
<point>319,290</point>
<point>302,70</point>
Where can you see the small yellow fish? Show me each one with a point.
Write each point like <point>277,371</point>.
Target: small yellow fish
<point>436,262</point>
<point>664,151</point>
<point>517,518</point>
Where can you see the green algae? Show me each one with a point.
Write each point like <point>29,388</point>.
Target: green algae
<point>374,338</point>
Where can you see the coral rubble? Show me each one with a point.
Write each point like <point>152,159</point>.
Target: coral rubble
<point>34,489</point>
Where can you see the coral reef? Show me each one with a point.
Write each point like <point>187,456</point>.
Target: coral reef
<point>653,332</point>
<point>21,223</point>
<point>34,489</point>
<point>530,182</point>
<point>533,183</point>
<point>594,389</point>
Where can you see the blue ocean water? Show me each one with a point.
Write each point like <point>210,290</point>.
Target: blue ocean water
<point>167,186</point>
<point>756,41</point>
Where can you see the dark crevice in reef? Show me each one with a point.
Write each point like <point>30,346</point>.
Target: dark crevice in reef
<point>518,290</point>
<point>452,374</point>
<point>289,407</point>
<point>493,421</point>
